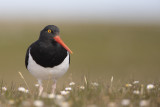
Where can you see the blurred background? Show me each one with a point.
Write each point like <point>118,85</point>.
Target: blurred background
<point>118,38</point>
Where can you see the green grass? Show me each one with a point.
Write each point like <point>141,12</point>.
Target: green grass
<point>124,51</point>
<point>127,52</point>
<point>94,94</point>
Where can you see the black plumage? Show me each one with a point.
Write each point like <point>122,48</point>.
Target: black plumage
<point>46,51</point>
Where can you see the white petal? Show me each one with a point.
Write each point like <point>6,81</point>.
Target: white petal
<point>125,102</point>
<point>38,103</point>
<point>68,88</point>
<point>22,89</point>
<point>150,86</point>
<point>4,88</point>
<point>71,83</point>
<point>82,87</point>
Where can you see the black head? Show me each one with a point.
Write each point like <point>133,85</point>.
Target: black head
<point>49,32</point>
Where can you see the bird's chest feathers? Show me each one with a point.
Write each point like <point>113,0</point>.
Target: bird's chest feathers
<point>47,72</point>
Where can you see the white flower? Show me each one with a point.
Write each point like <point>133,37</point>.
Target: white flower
<point>82,87</point>
<point>71,83</point>
<point>150,86</point>
<point>22,89</point>
<point>38,103</point>
<point>64,92</point>
<point>36,85</point>
<point>144,103</point>
<point>4,88</point>
<point>136,82</point>
<point>136,92</point>
<point>128,85</point>
<point>68,88</point>
<point>51,96</point>
<point>26,91</point>
<point>95,84</point>
<point>125,102</point>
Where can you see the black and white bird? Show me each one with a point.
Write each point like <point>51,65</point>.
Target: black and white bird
<point>48,57</point>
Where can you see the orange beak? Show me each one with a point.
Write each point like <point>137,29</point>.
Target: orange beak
<point>59,40</point>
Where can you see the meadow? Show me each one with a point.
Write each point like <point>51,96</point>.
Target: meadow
<point>86,94</point>
<point>107,61</point>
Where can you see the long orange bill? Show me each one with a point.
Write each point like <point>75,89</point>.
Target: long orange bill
<point>59,40</point>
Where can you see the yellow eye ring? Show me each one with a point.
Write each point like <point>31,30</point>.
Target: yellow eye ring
<point>49,31</point>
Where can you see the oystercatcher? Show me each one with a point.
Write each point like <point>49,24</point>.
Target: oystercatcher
<point>48,57</point>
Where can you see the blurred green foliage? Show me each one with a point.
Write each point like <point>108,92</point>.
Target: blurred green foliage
<point>99,50</point>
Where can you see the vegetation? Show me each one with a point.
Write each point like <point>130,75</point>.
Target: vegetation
<point>86,94</point>
<point>128,52</point>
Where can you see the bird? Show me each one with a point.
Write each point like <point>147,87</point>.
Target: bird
<point>48,57</point>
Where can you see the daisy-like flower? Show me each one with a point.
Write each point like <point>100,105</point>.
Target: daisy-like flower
<point>144,103</point>
<point>36,85</point>
<point>82,87</point>
<point>22,89</point>
<point>150,86</point>
<point>4,88</point>
<point>26,91</point>
<point>95,84</point>
<point>38,103</point>
<point>128,85</point>
<point>136,82</point>
<point>64,92</point>
<point>71,83</point>
<point>68,88</point>
<point>125,102</point>
<point>136,92</point>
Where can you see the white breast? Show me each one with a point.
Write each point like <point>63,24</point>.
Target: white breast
<point>42,73</point>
